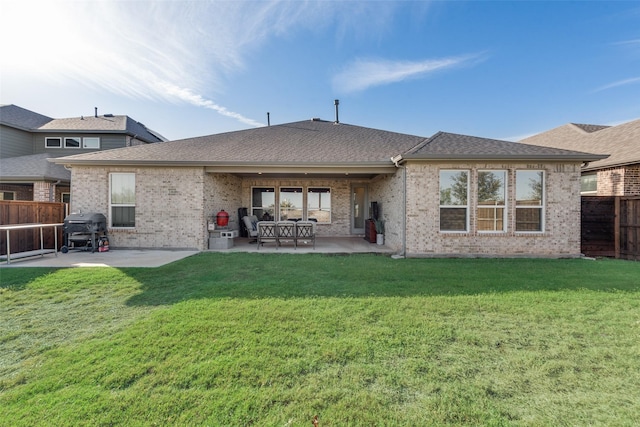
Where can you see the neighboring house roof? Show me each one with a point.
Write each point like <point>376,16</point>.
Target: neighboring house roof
<point>314,144</point>
<point>107,123</point>
<point>21,118</point>
<point>453,146</point>
<point>621,142</point>
<point>33,168</point>
<point>590,128</point>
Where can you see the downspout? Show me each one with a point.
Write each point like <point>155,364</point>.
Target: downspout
<point>51,189</point>
<point>396,161</point>
<point>404,211</point>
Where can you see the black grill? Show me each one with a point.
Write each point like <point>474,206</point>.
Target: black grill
<point>84,230</point>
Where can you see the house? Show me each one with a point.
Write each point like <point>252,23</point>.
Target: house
<point>28,139</point>
<point>448,195</point>
<point>616,175</point>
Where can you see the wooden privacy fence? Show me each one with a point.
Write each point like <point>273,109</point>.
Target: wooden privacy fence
<point>611,226</point>
<point>26,212</point>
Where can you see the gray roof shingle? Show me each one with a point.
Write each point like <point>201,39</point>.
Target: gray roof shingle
<point>33,168</point>
<point>318,142</point>
<point>103,124</point>
<point>621,142</point>
<point>590,128</point>
<point>307,142</point>
<point>21,118</point>
<point>445,145</point>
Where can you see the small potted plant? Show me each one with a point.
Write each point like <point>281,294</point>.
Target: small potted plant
<point>379,231</point>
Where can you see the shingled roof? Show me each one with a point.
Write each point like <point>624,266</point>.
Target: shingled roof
<point>453,146</point>
<point>21,118</point>
<point>621,142</point>
<point>305,142</point>
<point>319,143</point>
<point>34,167</point>
<point>103,124</point>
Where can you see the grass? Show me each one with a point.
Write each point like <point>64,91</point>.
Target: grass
<point>250,339</point>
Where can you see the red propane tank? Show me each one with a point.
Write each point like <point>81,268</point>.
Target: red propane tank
<point>222,218</point>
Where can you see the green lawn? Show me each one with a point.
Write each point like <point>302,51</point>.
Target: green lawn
<point>272,340</point>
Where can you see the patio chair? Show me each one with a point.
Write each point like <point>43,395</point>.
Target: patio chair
<point>251,224</point>
<point>286,231</point>
<point>306,232</point>
<point>267,232</point>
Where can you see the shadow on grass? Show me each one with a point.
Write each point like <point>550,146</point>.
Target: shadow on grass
<point>255,276</point>
<point>18,278</point>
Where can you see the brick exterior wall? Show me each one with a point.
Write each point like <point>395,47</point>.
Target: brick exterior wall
<point>632,180</point>
<point>22,191</point>
<point>169,205</point>
<point>561,237</point>
<point>222,191</point>
<point>174,205</point>
<point>26,191</point>
<point>388,191</point>
<point>620,181</point>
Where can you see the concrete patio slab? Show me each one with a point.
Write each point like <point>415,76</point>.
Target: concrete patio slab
<point>114,258</point>
<point>324,245</point>
<point>155,258</point>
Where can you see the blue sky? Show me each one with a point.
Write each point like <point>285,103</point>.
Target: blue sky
<point>500,69</point>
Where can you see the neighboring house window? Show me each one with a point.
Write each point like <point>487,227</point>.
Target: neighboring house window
<point>7,195</point>
<point>53,142</point>
<point>454,203</point>
<point>66,197</point>
<point>91,142</point>
<point>122,200</point>
<point>530,201</point>
<point>589,183</point>
<point>263,202</point>
<point>72,142</point>
<point>319,204</point>
<point>290,203</point>
<point>491,213</point>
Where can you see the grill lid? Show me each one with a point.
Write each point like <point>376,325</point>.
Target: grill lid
<point>87,217</point>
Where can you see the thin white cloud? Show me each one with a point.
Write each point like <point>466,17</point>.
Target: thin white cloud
<point>198,101</point>
<point>619,83</point>
<point>365,73</point>
<point>174,51</point>
<point>632,42</point>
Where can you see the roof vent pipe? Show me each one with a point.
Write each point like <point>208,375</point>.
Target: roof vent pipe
<point>268,119</point>
<point>336,103</point>
<point>96,111</point>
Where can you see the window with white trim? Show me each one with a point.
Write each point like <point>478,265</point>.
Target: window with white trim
<point>454,200</point>
<point>319,204</point>
<point>491,206</point>
<point>122,200</point>
<point>91,142</point>
<point>7,195</point>
<point>66,197</point>
<point>589,183</point>
<point>72,142</point>
<point>530,201</point>
<point>290,203</point>
<point>263,202</point>
<point>53,142</point>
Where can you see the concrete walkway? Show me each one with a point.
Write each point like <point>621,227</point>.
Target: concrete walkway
<point>114,258</point>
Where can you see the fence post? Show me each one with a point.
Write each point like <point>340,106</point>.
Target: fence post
<point>616,226</point>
